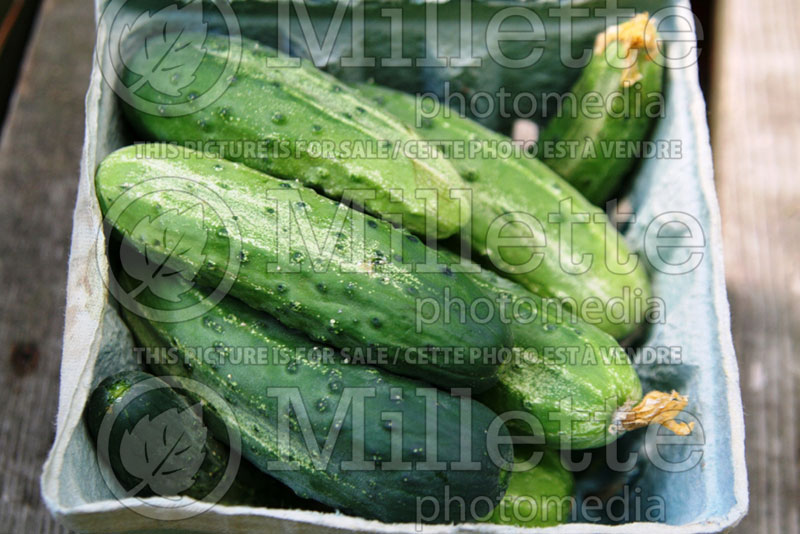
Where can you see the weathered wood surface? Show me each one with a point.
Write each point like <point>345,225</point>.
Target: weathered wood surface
<point>39,155</point>
<point>756,135</point>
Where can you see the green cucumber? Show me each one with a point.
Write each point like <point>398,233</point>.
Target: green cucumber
<point>277,119</point>
<point>574,379</point>
<point>140,413</point>
<point>540,491</point>
<point>571,376</point>
<point>626,74</point>
<point>512,194</point>
<point>397,414</point>
<point>359,289</point>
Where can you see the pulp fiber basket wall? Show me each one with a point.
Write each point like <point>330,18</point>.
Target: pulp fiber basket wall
<point>710,497</point>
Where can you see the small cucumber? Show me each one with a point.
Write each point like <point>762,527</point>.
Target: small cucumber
<point>510,195</point>
<point>155,429</point>
<point>575,379</point>
<point>290,396</point>
<point>626,74</point>
<point>540,491</point>
<point>301,123</point>
<point>358,290</point>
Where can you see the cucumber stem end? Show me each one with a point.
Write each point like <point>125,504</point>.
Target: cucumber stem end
<point>633,36</point>
<point>656,407</point>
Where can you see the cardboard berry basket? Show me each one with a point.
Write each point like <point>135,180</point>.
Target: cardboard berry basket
<point>707,493</point>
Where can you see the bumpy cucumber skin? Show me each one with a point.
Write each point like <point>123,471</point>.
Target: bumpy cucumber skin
<point>585,388</point>
<point>118,396</point>
<point>354,302</point>
<point>297,105</point>
<point>120,390</point>
<point>599,176</point>
<point>545,484</point>
<point>387,495</point>
<point>506,187</point>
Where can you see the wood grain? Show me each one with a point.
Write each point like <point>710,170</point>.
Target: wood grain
<point>39,155</point>
<point>756,137</point>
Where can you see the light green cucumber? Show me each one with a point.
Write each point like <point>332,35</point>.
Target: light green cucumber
<point>626,75</point>
<point>297,122</point>
<point>290,390</point>
<point>571,377</point>
<point>336,274</point>
<point>540,491</point>
<point>575,380</point>
<point>520,197</point>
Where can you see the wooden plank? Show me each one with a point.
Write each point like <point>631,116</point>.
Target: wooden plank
<point>39,156</point>
<point>16,18</point>
<point>756,135</point>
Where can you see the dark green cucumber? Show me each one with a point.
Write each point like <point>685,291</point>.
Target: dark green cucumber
<point>358,289</point>
<point>278,119</point>
<point>397,414</point>
<point>161,434</point>
<point>540,491</point>
<point>626,74</point>
<point>512,195</point>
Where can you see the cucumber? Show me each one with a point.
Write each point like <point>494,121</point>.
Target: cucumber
<point>395,426</point>
<point>279,118</point>
<point>511,191</point>
<point>139,415</point>
<point>540,491</point>
<point>626,73</point>
<point>574,379</point>
<point>358,290</point>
